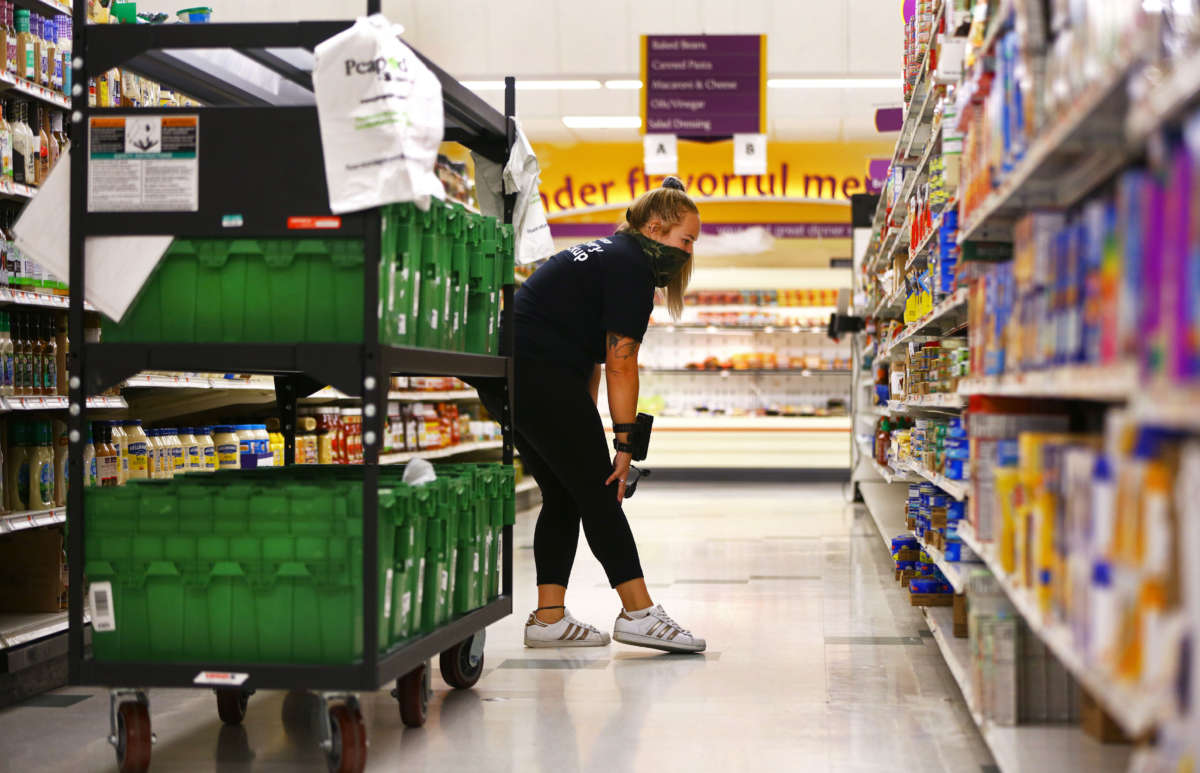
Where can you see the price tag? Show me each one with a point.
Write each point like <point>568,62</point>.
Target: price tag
<point>100,601</point>
<point>221,678</point>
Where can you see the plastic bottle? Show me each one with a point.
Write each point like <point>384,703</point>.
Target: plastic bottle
<point>139,450</point>
<point>10,39</point>
<point>262,445</point>
<point>227,444</point>
<point>49,357</point>
<point>178,453</point>
<point>187,447</point>
<point>278,447</point>
<point>64,48</point>
<point>6,149</point>
<point>61,446</point>
<point>26,64</point>
<point>41,462</point>
<point>107,459</point>
<point>6,355</point>
<point>121,443</point>
<point>247,446</point>
<point>41,51</point>
<point>18,466</point>
<point>208,450</point>
<point>91,476</point>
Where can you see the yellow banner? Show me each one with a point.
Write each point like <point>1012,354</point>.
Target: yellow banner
<point>586,182</point>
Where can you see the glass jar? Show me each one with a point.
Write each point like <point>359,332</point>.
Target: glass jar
<point>352,450</point>
<point>306,440</point>
<point>327,435</point>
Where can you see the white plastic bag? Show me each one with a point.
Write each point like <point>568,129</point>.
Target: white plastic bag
<point>380,111</point>
<point>522,176</point>
<point>418,472</point>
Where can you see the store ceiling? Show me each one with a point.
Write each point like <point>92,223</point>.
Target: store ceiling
<point>570,39</point>
<point>598,39</point>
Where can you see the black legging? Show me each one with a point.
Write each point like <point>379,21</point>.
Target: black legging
<point>563,445</point>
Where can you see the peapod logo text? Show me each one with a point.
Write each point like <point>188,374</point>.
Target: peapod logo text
<point>380,66</point>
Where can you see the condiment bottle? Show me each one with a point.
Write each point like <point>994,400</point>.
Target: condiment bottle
<point>90,474</point>
<point>61,457</point>
<point>18,466</point>
<point>20,355</point>
<point>6,355</point>
<point>178,453</point>
<point>138,450</point>
<point>50,358</point>
<point>40,51</point>
<point>226,442</point>
<point>208,451</point>
<point>6,147</point>
<point>121,443</point>
<point>46,156</point>
<point>41,489</point>
<point>21,140</point>
<point>36,345</point>
<point>107,459</point>
<point>64,47</point>
<point>51,48</point>
<point>26,63</point>
<point>10,39</point>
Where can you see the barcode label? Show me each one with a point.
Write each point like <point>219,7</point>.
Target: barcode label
<point>221,678</point>
<point>100,601</point>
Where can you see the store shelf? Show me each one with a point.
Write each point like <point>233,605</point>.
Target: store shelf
<point>21,628</point>
<point>939,402</point>
<point>725,423</point>
<point>885,504</point>
<point>1103,383</point>
<point>414,395</point>
<point>955,571</point>
<point>761,372</point>
<point>10,82</point>
<point>1022,748</point>
<point>959,489</point>
<point>400,457</point>
<point>921,253</point>
<point>1165,100</point>
<point>29,298</point>
<point>46,6</point>
<point>949,312</point>
<point>891,475</point>
<point>1069,180</point>
<point>32,519</point>
<point>1135,710</point>
<point>56,403</point>
<point>704,327</point>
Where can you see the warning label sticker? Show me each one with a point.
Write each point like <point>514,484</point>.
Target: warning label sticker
<point>147,163</point>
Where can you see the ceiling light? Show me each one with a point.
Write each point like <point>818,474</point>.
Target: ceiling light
<point>625,85</point>
<point>602,121</point>
<point>534,85</point>
<point>834,83</point>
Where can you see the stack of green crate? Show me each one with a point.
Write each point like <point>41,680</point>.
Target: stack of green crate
<point>440,275</point>
<point>245,571</point>
<point>266,565</point>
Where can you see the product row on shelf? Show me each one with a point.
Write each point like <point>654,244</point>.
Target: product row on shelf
<point>773,298</point>
<point>740,350</point>
<point>768,394</point>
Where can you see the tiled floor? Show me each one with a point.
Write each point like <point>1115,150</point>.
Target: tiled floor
<point>815,663</point>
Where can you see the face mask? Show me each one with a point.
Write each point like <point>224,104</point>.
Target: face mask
<point>665,261</point>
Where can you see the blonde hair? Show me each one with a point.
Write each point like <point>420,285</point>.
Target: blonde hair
<point>670,206</point>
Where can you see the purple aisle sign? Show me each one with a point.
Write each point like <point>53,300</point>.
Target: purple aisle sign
<point>704,85</point>
<point>889,119</point>
<point>877,170</point>
<point>778,230</point>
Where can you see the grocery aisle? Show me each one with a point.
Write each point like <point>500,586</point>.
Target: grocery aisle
<point>816,662</point>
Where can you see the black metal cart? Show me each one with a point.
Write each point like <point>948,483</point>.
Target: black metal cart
<point>262,161</point>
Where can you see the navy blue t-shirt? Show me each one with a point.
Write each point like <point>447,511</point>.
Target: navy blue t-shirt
<point>564,309</point>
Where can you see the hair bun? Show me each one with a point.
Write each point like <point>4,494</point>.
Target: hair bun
<point>674,182</point>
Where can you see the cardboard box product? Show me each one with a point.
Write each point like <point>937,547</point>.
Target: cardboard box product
<point>960,616</point>
<point>931,599</point>
<point>31,571</point>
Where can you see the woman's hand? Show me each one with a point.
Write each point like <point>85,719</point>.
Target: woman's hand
<point>620,473</point>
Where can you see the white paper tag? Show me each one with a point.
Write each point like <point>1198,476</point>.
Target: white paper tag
<point>476,562</point>
<point>222,678</point>
<point>405,604</point>
<point>100,601</point>
<point>387,594</point>
<point>445,581</point>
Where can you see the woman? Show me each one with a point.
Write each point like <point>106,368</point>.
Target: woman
<point>587,306</point>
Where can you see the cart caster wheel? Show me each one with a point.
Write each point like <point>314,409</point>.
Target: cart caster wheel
<point>231,705</point>
<point>133,738</point>
<point>348,748</point>
<point>462,664</point>
<point>413,691</point>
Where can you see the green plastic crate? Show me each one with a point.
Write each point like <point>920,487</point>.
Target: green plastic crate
<point>219,569</point>
<point>245,290</point>
<point>400,273</point>
<point>435,268</point>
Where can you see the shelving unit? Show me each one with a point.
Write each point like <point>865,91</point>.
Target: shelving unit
<point>298,369</point>
<point>400,457</point>
<point>1134,709</point>
<point>32,519</point>
<point>1110,123</point>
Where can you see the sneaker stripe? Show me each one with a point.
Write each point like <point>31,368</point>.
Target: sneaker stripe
<point>674,633</point>
<point>567,632</point>
<point>581,635</point>
<point>653,627</point>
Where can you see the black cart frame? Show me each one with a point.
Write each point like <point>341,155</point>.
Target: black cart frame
<point>264,179</point>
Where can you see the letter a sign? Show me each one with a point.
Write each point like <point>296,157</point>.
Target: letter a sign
<point>660,153</point>
<point>749,154</point>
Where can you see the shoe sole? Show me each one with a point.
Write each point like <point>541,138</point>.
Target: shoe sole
<point>555,644</point>
<point>638,640</point>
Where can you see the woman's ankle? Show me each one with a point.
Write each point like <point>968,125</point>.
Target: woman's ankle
<point>550,616</point>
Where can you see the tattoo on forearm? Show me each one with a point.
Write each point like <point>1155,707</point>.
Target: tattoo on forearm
<point>621,347</point>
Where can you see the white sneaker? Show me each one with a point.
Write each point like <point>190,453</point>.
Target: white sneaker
<point>655,630</point>
<point>567,632</point>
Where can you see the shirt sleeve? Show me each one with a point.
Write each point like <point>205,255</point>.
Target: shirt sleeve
<point>628,295</point>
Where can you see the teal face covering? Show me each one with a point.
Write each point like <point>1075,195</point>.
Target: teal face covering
<point>665,261</point>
